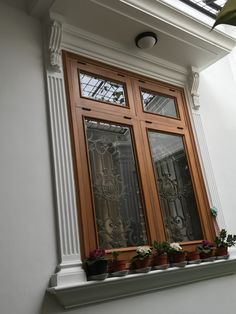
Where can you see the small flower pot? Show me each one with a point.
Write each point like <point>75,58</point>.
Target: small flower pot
<point>141,263</point>
<point>207,256</point>
<point>97,268</point>
<point>177,257</point>
<point>221,251</point>
<point>117,265</point>
<point>193,256</point>
<point>158,260</point>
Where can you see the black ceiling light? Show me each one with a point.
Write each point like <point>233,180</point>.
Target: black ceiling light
<point>146,40</point>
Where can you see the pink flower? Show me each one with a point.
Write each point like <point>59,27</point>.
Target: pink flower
<point>97,253</point>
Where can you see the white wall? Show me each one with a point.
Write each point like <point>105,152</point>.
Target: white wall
<point>218,111</point>
<point>27,228</point>
<point>26,205</point>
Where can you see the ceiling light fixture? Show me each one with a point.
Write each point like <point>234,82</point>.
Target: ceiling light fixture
<point>146,40</point>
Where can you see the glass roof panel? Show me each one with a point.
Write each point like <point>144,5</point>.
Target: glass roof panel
<point>209,7</point>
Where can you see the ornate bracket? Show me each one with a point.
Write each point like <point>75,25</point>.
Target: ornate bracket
<point>55,45</point>
<point>194,87</point>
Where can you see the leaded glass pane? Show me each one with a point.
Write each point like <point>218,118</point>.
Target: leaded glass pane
<point>116,191</point>
<point>158,104</point>
<point>101,89</point>
<point>176,194</point>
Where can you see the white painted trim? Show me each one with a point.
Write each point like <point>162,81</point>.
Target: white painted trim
<point>204,156</point>
<point>175,22</point>
<point>96,47</point>
<point>70,267</point>
<point>113,288</point>
<point>55,45</point>
<point>194,85</point>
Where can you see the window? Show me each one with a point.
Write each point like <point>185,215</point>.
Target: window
<point>138,174</point>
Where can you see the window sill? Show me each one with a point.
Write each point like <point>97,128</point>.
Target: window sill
<point>91,292</point>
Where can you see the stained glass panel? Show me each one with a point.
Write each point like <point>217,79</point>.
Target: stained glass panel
<point>176,194</point>
<point>116,191</point>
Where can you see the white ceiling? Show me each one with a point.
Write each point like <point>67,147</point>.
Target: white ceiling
<point>182,40</point>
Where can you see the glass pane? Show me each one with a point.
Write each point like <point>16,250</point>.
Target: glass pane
<point>118,206</point>
<point>175,187</point>
<point>158,104</point>
<point>102,89</point>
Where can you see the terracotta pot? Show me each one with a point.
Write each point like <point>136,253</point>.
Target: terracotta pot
<point>141,263</point>
<point>206,255</point>
<point>177,257</point>
<point>117,265</point>
<point>193,256</point>
<point>158,260</point>
<point>221,251</point>
<point>97,268</point>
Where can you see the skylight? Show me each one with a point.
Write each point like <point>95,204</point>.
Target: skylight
<point>208,7</point>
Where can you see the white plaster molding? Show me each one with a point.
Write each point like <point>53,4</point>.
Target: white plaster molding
<point>204,156</point>
<point>194,81</point>
<point>173,22</point>
<point>70,266</point>
<point>55,45</point>
<point>113,288</point>
<point>96,47</point>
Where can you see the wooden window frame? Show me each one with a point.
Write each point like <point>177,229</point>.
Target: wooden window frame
<point>133,115</point>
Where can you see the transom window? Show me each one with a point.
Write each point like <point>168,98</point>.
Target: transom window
<point>138,174</point>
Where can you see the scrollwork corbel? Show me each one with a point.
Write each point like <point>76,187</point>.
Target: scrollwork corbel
<point>55,45</point>
<point>194,85</point>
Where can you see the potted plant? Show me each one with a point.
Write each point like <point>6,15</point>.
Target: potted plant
<point>177,255</point>
<point>96,265</point>
<point>141,261</point>
<point>223,241</point>
<point>206,250</point>
<point>160,257</point>
<point>193,257</point>
<point>117,267</point>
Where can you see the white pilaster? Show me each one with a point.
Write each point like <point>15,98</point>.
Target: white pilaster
<point>200,138</point>
<point>69,268</point>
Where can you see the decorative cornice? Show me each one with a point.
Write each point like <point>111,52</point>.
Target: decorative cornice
<point>173,19</point>
<point>194,81</point>
<point>97,47</point>
<point>55,45</point>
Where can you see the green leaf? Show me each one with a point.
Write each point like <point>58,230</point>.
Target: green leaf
<point>227,14</point>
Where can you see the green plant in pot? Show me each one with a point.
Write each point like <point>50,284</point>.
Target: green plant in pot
<point>206,249</point>
<point>223,241</point>
<point>160,254</point>
<point>142,259</point>
<point>96,265</point>
<point>116,264</point>
<point>176,254</point>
